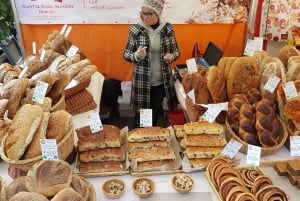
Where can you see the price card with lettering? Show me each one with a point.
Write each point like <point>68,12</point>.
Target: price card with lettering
<point>95,122</point>
<point>72,51</point>
<point>40,92</point>
<point>212,112</point>
<point>145,117</point>
<point>49,149</point>
<point>272,83</point>
<point>253,155</point>
<point>191,65</point>
<point>232,148</point>
<point>290,90</point>
<point>295,145</point>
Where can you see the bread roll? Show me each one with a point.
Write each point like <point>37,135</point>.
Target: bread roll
<point>101,166</point>
<point>16,95</point>
<point>148,134</point>
<point>23,127</point>
<point>286,52</point>
<point>59,124</point>
<point>18,185</point>
<point>67,194</point>
<point>82,186</point>
<point>52,177</point>
<point>104,154</point>
<point>28,196</point>
<point>203,127</point>
<point>216,84</point>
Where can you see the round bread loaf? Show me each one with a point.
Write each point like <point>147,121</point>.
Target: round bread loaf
<point>286,52</point>
<point>28,196</point>
<point>67,194</point>
<point>18,185</point>
<point>242,76</point>
<point>52,177</point>
<point>22,129</point>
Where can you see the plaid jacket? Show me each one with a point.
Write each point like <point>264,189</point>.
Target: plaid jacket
<point>141,70</point>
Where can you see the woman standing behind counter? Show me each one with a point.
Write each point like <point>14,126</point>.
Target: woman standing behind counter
<point>152,47</point>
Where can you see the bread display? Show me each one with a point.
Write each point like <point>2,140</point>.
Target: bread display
<point>103,151</point>
<point>151,148</point>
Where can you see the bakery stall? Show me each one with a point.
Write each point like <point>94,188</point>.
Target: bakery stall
<point>185,161</point>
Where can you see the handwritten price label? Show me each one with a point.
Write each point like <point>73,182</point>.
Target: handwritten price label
<point>295,145</point>
<point>95,122</point>
<point>49,149</point>
<point>191,65</point>
<point>272,83</point>
<point>232,148</point>
<point>40,92</point>
<point>145,117</point>
<point>253,155</point>
<point>290,90</point>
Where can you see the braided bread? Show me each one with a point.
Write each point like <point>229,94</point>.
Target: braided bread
<point>267,125</point>
<point>247,130</point>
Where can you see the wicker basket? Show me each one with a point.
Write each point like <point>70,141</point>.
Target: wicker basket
<point>64,149</point>
<point>80,86</point>
<point>265,151</point>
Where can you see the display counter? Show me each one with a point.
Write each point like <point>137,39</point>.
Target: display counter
<point>164,190</point>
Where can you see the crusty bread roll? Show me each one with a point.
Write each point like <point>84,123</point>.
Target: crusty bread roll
<point>96,141</point>
<point>82,186</point>
<point>101,166</point>
<point>152,154</point>
<point>286,52</point>
<point>104,154</point>
<point>148,133</point>
<point>34,148</point>
<point>242,76</point>
<point>216,84</point>
<point>203,127</point>
<point>28,196</point>
<point>52,177</point>
<point>59,124</point>
<point>23,127</point>
<point>67,194</point>
<point>18,185</point>
<point>16,95</point>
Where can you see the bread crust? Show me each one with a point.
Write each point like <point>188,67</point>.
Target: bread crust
<point>101,166</point>
<point>203,127</point>
<point>216,84</point>
<point>152,154</point>
<point>105,154</point>
<point>148,134</point>
<point>23,127</point>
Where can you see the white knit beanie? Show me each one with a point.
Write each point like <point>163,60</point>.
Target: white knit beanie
<point>156,5</point>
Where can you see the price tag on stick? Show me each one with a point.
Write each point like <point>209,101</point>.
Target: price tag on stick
<point>253,155</point>
<point>231,148</point>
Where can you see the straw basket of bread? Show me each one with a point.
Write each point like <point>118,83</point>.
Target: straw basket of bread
<point>21,146</point>
<point>265,150</point>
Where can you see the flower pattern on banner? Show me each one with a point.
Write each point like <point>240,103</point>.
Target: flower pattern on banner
<point>277,17</point>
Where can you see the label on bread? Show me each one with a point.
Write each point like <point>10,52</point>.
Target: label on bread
<point>49,149</point>
<point>72,51</point>
<point>272,83</point>
<point>95,122</point>
<point>40,92</point>
<point>290,90</point>
<point>231,148</point>
<point>253,155</point>
<point>145,117</point>
<point>191,65</point>
<point>295,145</point>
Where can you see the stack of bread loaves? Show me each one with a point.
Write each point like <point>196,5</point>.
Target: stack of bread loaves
<point>150,149</point>
<point>201,141</point>
<point>102,151</point>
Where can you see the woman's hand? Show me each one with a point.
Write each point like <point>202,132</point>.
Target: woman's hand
<point>168,58</point>
<point>141,52</point>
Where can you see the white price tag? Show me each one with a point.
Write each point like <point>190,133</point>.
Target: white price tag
<point>295,145</point>
<point>145,117</point>
<point>231,148</point>
<point>211,114</point>
<point>49,149</point>
<point>63,29</point>
<point>34,47</point>
<point>72,51</point>
<point>290,90</point>
<point>95,122</point>
<point>272,83</point>
<point>253,155</point>
<point>43,55</point>
<point>68,31</point>
<point>40,92</point>
<point>191,94</point>
<point>191,65</point>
